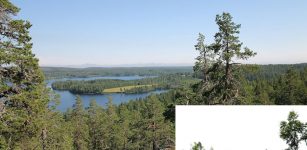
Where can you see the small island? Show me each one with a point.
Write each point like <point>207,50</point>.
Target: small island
<point>106,86</point>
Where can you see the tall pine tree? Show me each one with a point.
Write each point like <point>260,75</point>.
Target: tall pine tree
<point>23,97</point>
<point>80,131</point>
<point>97,126</point>
<point>293,131</point>
<point>221,72</point>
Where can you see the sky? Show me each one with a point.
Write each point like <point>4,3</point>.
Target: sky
<point>234,127</point>
<point>160,32</point>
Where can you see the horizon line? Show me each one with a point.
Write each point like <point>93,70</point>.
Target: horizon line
<point>144,66</point>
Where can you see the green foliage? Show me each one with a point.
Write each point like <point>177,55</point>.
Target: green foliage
<point>293,131</point>
<point>261,93</point>
<point>137,124</point>
<point>23,97</point>
<point>29,121</point>
<point>98,86</point>
<point>80,131</point>
<point>197,146</point>
<point>269,72</point>
<point>97,127</point>
<point>290,88</point>
<point>7,9</point>
<point>226,82</point>
<point>59,73</point>
<point>220,84</point>
<point>287,88</point>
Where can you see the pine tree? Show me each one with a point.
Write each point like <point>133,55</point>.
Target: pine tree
<point>97,126</point>
<point>157,131</point>
<point>262,91</point>
<point>204,63</point>
<point>80,131</point>
<point>290,89</point>
<point>58,132</point>
<point>124,131</point>
<point>292,131</point>
<point>222,78</point>
<point>23,97</point>
<point>137,133</point>
<point>205,58</point>
<point>197,146</point>
<point>112,125</point>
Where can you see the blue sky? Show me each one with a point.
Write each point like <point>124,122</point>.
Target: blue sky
<point>159,32</point>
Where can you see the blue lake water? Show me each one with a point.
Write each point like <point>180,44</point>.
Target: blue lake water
<point>68,99</point>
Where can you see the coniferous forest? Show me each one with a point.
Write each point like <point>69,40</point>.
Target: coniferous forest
<point>29,121</point>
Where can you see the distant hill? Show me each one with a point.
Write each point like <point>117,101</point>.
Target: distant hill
<point>266,71</point>
<point>60,72</point>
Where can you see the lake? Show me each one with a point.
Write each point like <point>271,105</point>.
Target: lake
<point>68,99</point>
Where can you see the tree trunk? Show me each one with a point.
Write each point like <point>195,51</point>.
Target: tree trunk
<point>227,72</point>
<point>44,137</point>
<point>154,145</point>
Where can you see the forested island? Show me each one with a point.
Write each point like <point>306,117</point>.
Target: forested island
<point>261,84</point>
<point>102,86</point>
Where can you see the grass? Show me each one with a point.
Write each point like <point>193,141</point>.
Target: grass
<point>123,88</point>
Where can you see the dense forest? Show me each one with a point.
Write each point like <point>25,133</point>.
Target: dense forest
<point>263,71</point>
<point>28,121</point>
<point>101,86</point>
<point>261,84</point>
<point>270,72</point>
<point>57,72</point>
<point>224,81</point>
<point>138,124</point>
<point>281,85</point>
